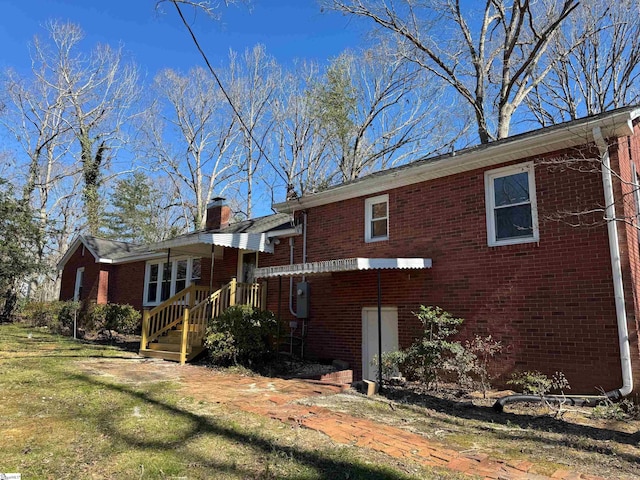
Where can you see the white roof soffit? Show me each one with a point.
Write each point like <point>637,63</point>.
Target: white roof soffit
<point>579,132</point>
<point>342,265</point>
<point>248,241</point>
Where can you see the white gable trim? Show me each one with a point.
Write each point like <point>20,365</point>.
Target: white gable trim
<point>79,240</point>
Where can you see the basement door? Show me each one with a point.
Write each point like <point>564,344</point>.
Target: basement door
<point>370,337</point>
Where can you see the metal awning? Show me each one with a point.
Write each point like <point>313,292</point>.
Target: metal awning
<point>200,243</point>
<point>342,265</point>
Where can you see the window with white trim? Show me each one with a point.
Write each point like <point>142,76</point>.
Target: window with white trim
<point>376,226</point>
<point>510,195</point>
<point>164,279</point>
<point>77,289</point>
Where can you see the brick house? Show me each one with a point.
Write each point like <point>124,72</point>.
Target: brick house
<point>509,236</point>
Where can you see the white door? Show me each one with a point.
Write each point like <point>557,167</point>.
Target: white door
<point>370,337</point>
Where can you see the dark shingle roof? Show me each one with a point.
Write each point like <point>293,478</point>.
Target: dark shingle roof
<point>275,221</point>
<point>113,249</point>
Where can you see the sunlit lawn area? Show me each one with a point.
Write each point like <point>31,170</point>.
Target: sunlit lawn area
<point>60,422</point>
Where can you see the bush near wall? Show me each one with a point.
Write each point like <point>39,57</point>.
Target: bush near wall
<point>57,316</point>
<point>113,317</point>
<point>241,336</point>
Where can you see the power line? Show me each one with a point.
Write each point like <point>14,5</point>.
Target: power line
<point>228,98</point>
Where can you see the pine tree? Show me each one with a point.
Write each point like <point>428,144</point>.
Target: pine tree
<point>137,212</point>
<point>19,245</point>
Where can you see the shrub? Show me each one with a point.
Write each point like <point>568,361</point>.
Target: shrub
<point>425,358</point>
<point>609,410</point>
<point>537,383</point>
<point>110,317</point>
<point>241,336</point>
<point>392,363</point>
<point>57,316</point>
<point>484,349</point>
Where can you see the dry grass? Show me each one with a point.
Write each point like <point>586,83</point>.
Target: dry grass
<point>575,441</point>
<point>60,421</point>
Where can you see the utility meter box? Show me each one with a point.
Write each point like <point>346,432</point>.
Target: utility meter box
<point>302,300</point>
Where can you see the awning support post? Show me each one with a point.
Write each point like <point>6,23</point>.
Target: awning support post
<point>379,334</point>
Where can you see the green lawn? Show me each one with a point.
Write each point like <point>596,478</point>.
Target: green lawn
<point>58,421</point>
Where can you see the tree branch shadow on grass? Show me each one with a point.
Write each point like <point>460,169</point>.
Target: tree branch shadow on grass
<point>326,468</point>
<point>543,423</point>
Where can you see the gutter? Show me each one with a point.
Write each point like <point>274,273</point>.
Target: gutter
<point>529,144</point>
<point>618,291</point>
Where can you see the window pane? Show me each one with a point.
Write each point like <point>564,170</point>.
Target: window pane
<point>180,285</point>
<point>196,269</point>
<point>182,270</point>
<point>153,272</point>
<point>379,228</point>
<point>152,292</point>
<point>166,291</point>
<point>514,222</point>
<point>511,189</point>
<point>379,210</point>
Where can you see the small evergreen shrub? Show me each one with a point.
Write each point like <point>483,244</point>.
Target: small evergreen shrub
<point>241,336</point>
<point>110,317</point>
<point>537,383</point>
<point>425,358</point>
<point>57,316</point>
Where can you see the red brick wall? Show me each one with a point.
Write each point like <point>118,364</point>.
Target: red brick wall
<point>91,288</point>
<point>550,302</point>
<point>126,285</point>
<point>628,152</point>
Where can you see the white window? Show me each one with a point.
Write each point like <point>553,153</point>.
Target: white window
<point>77,290</point>
<point>164,279</point>
<point>510,195</point>
<point>376,226</point>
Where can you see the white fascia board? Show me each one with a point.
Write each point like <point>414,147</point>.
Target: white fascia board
<point>133,258</point>
<point>79,240</point>
<point>543,142</point>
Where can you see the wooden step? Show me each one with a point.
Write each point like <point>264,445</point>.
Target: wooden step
<point>165,346</point>
<point>164,355</point>
<point>169,355</point>
<point>192,328</point>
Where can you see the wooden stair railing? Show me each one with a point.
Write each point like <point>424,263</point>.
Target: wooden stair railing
<point>168,314</point>
<point>191,317</point>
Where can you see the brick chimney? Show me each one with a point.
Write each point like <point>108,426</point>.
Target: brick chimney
<point>218,214</point>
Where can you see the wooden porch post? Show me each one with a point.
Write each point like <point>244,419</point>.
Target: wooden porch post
<point>232,291</point>
<point>263,293</point>
<point>185,337</point>
<point>145,329</point>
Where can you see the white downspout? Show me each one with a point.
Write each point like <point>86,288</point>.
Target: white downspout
<point>616,267</point>
<point>618,291</point>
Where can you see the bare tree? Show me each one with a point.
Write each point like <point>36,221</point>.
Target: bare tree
<point>302,153</point>
<point>253,79</point>
<point>99,89</point>
<point>376,110</point>
<point>600,50</point>
<point>492,58</point>
<point>85,97</point>
<point>192,136</point>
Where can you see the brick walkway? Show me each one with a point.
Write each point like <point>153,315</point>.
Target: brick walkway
<point>276,398</point>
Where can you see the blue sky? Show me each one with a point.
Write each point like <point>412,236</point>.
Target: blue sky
<point>289,29</point>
